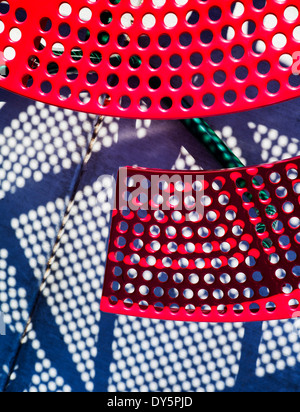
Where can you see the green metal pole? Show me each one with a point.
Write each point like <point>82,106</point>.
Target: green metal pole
<point>205,134</point>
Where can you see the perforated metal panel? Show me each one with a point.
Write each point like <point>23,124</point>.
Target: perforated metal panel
<point>206,246</point>
<point>151,58</point>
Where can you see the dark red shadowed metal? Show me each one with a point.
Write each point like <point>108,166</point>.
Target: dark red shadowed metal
<point>216,246</point>
<point>151,58</point>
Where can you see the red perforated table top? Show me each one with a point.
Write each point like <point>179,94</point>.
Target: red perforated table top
<point>151,58</point>
<point>215,246</point>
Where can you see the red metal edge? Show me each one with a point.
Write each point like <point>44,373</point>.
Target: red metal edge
<point>31,30</point>
<point>283,309</point>
<point>214,316</point>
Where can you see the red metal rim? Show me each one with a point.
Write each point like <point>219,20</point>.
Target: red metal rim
<point>151,58</point>
<point>234,259</point>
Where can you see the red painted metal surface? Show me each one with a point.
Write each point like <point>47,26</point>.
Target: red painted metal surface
<point>216,246</point>
<point>151,58</point>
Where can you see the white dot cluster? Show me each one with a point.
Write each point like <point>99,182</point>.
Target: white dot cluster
<point>73,289</point>
<point>13,299</point>
<point>42,140</point>
<point>279,348</point>
<point>36,232</point>
<point>149,355</point>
